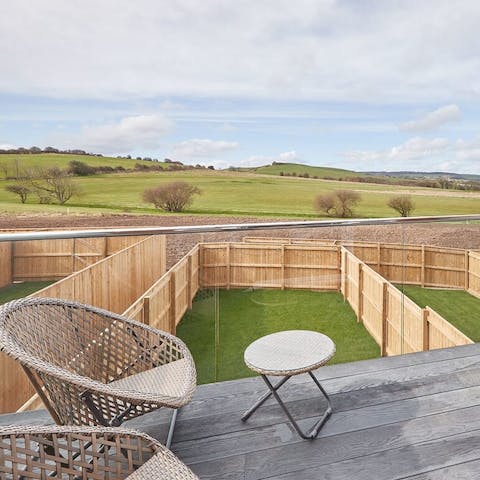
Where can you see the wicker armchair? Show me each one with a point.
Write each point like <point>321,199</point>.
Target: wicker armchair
<point>90,453</point>
<point>93,367</point>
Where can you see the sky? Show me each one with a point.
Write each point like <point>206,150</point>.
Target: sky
<point>356,84</point>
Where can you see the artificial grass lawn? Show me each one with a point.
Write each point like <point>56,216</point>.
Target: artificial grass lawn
<point>19,290</point>
<point>245,315</point>
<point>457,306</point>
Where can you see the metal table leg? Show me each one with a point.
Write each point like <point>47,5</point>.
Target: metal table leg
<point>315,429</point>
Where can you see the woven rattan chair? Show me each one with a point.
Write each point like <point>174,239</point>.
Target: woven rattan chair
<point>93,367</point>
<point>90,453</point>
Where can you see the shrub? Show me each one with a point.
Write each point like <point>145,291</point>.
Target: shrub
<point>19,189</point>
<point>76,167</point>
<point>337,204</point>
<point>52,184</point>
<point>403,204</point>
<point>171,197</point>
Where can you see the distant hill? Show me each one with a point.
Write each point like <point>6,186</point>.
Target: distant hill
<point>411,174</point>
<point>300,170</point>
<point>9,162</point>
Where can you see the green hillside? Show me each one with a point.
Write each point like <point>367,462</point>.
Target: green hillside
<point>26,161</point>
<point>236,193</point>
<point>300,170</point>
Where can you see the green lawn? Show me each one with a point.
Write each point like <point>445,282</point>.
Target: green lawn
<point>245,315</point>
<point>457,306</point>
<point>19,290</point>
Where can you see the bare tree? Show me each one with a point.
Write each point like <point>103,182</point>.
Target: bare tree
<point>171,197</point>
<point>337,204</point>
<point>53,183</point>
<point>325,203</point>
<point>19,189</point>
<point>403,204</point>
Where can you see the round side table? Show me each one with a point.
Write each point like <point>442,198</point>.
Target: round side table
<point>286,354</point>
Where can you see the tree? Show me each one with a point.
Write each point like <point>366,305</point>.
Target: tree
<point>19,189</point>
<point>52,183</point>
<point>171,197</point>
<point>337,204</point>
<point>403,204</point>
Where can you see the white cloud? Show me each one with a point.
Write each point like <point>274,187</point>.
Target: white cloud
<point>329,50</point>
<point>432,120</point>
<point>259,160</point>
<point>127,135</point>
<point>202,147</point>
<point>405,156</point>
<point>421,154</point>
<point>7,146</point>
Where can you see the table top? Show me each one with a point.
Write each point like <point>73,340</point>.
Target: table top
<point>290,352</point>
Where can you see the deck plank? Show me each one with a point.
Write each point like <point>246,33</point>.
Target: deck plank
<point>412,417</point>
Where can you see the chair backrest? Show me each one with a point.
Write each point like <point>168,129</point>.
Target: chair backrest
<point>75,337</point>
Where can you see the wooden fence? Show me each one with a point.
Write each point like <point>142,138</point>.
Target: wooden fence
<point>235,265</point>
<point>112,283</point>
<point>134,282</point>
<point>55,259</point>
<point>424,265</point>
<point>396,323</point>
<point>164,304</point>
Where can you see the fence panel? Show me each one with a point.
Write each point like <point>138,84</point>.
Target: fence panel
<point>56,259</point>
<point>442,334</point>
<point>371,297</point>
<point>6,274</point>
<point>473,279</point>
<point>444,267</point>
<point>312,267</point>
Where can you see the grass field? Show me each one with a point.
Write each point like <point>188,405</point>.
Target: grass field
<point>18,290</point>
<point>457,306</point>
<point>233,193</point>
<point>245,315</point>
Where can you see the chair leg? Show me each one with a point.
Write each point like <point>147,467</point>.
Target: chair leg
<point>171,429</point>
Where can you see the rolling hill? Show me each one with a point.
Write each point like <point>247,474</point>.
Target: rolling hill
<point>300,170</point>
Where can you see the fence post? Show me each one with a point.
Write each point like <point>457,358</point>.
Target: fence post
<point>345,274</point>
<point>360,293</point>
<point>379,256</point>
<point>339,269</point>
<point>146,311</point>
<point>189,282</point>
<point>467,270</point>
<point>426,330</point>
<point>422,279</point>
<point>173,303</point>
<point>283,267</point>
<point>383,345</point>
<point>228,265</point>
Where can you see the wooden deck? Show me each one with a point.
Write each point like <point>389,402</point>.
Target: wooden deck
<point>414,416</point>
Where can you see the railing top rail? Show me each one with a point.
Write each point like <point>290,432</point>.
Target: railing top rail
<point>123,232</point>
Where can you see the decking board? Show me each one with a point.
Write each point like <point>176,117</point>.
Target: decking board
<point>408,417</point>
